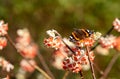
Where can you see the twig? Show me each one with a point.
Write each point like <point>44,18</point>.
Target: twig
<point>39,69</point>
<point>107,33</point>
<point>10,40</point>
<point>109,67</point>
<point>44,73</point>
<point>68,47</point>
<point>91,64</point>
<point>97,68</point>
<point>65,75</point>
<point>45,65</point>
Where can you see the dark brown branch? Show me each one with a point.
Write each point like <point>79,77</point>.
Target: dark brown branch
<point>68,47</point>
<point>81,74</point>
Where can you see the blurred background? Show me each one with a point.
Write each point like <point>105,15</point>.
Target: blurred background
<point>62,15</point>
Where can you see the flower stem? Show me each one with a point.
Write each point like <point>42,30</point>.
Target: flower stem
<point>109,67</point>
<point>97,68</point>
<point>44,73</point>
<point>65,75</point>
<point>10,40</point>
<point>91,63</point>
<point>45,65</point>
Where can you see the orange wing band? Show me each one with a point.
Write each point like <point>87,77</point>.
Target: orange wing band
<point>85,32</point>
<point>75,36</point>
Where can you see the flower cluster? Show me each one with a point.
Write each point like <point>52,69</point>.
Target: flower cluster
<point>77,61</point>
<point>54,41</point>
<point>6,65</point>
<point>27,48</point>
<point>108,41</point>
<point>116,24</point>
<point>3,32</point>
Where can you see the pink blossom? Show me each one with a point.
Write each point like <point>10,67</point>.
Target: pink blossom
<point>29,51</point>
<point>6,65</point>
<point>116,24</point>
<point>28,65</point>
<point>71,65</point>
<point>23,36</point>
<point>108,41</point>
<point>52,42</point>
<point>3,28</point>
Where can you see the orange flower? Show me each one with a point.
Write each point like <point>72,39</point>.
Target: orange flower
<point>3,42</point>
<point>117,43</point>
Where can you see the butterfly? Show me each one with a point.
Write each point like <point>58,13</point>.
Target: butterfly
<point>80,34</point>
